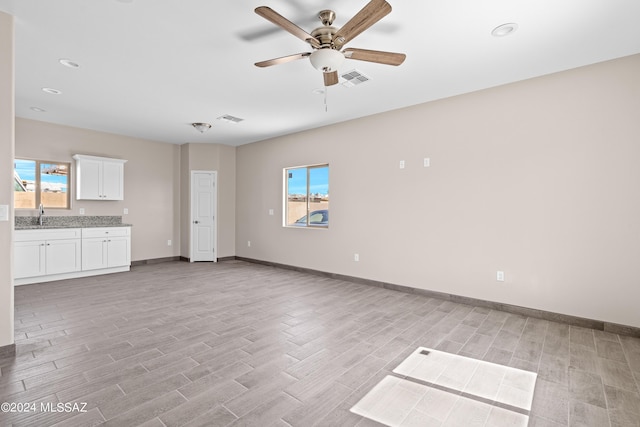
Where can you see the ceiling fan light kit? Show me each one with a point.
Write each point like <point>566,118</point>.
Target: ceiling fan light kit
<point>327,41</point>
<point>326,59</point>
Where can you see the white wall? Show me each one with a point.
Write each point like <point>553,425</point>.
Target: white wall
<point>6,177</point>
<point>537,178</point>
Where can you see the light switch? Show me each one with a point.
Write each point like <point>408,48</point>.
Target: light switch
<point>4,212</point>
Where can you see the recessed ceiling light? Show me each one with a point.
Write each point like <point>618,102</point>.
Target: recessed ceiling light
<point>504,29</point>
<point>69,63</point>
<point>38,109</point>
<point>51,91</point>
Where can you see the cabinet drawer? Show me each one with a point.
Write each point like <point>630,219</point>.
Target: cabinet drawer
<point>49,234</point>
<point>105,231</point>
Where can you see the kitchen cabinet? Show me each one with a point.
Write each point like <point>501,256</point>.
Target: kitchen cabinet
<point>44,255</point>
<point>99,178</point>
<point>106,247</point>
<point>46,252</point>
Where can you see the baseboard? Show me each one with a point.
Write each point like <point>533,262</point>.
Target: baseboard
<point>155,260</point>
<point>7,351</point>
<point>185,259</point>
<point>599,325</point>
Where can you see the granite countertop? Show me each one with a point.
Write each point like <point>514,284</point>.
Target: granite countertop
<point>83,221</point>
<point>48,227</point>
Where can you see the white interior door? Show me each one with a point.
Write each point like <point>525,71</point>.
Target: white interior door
<point>203,215</point>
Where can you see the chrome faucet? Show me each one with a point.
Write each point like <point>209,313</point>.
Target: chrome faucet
<point>40,214</point>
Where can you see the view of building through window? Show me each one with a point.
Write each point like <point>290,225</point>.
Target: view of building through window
<point>37,181</point>
<point>307,192</point>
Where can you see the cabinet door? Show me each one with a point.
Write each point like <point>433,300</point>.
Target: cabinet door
<point>63,256</point>
<point>119,251</point>
<point>89,180</point>
<point>29,259</point>
<point>112,181</point>
<point>94,253</point>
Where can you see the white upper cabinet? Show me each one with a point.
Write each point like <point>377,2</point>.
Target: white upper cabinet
<point>99,178</point>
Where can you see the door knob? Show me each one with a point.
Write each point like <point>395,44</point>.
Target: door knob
<point>196,222</point>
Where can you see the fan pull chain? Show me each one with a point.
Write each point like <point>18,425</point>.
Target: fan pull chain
<point>326,106</point>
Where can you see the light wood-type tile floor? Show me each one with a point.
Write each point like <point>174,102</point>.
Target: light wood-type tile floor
<point>241,344</point>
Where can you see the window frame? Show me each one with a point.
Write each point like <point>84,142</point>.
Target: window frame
<point>308,210</point>
<point>38,183</point>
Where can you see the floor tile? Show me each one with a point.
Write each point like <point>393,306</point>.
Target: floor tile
<point>233,336</point>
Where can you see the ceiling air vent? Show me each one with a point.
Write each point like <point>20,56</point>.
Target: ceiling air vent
<point>354,78</point>
<point>230,119</point>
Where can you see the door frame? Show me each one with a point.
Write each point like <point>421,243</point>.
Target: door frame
<point>215,212</point>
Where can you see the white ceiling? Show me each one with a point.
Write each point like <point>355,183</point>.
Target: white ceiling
<point>149,68</point>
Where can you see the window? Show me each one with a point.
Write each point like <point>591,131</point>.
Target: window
<point>39,181</point>
<point>307,192</point>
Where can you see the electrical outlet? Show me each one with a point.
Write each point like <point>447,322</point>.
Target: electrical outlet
<point>168,242</point>
<point>249,243</point>
<point>356,257</point>
<point>500,276</point>
<point>126,212</point>
<point>427,162</point>
<point>270,211</point>
<point>401,164</point>
<point>81,211</point>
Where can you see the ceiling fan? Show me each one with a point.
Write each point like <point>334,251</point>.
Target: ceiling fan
<point>327,41</point>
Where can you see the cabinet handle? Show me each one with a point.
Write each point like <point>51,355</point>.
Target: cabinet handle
<point>196,222</point>
<point>48,244</point>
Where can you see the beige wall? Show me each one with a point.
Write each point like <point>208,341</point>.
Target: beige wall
<point>539,179</point>
<point>222,159</point>
<point>6,177</point>
<point>151,188</point>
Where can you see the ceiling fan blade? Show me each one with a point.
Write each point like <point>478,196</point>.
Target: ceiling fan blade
<point>389,58</point>
<point>374,11</point>
<point>282,60</point>
<point>330,78</point>
<point>273,16</point>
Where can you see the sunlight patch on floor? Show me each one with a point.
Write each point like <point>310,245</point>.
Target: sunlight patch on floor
<point>435,388</point>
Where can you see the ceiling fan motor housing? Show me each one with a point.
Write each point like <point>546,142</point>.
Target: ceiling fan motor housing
<point>324,35</point>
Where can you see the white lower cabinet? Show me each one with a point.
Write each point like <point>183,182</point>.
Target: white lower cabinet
<point>29,259</point>
<point>54,254</point>
<point>105,247</point>
<point>44,252</point>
